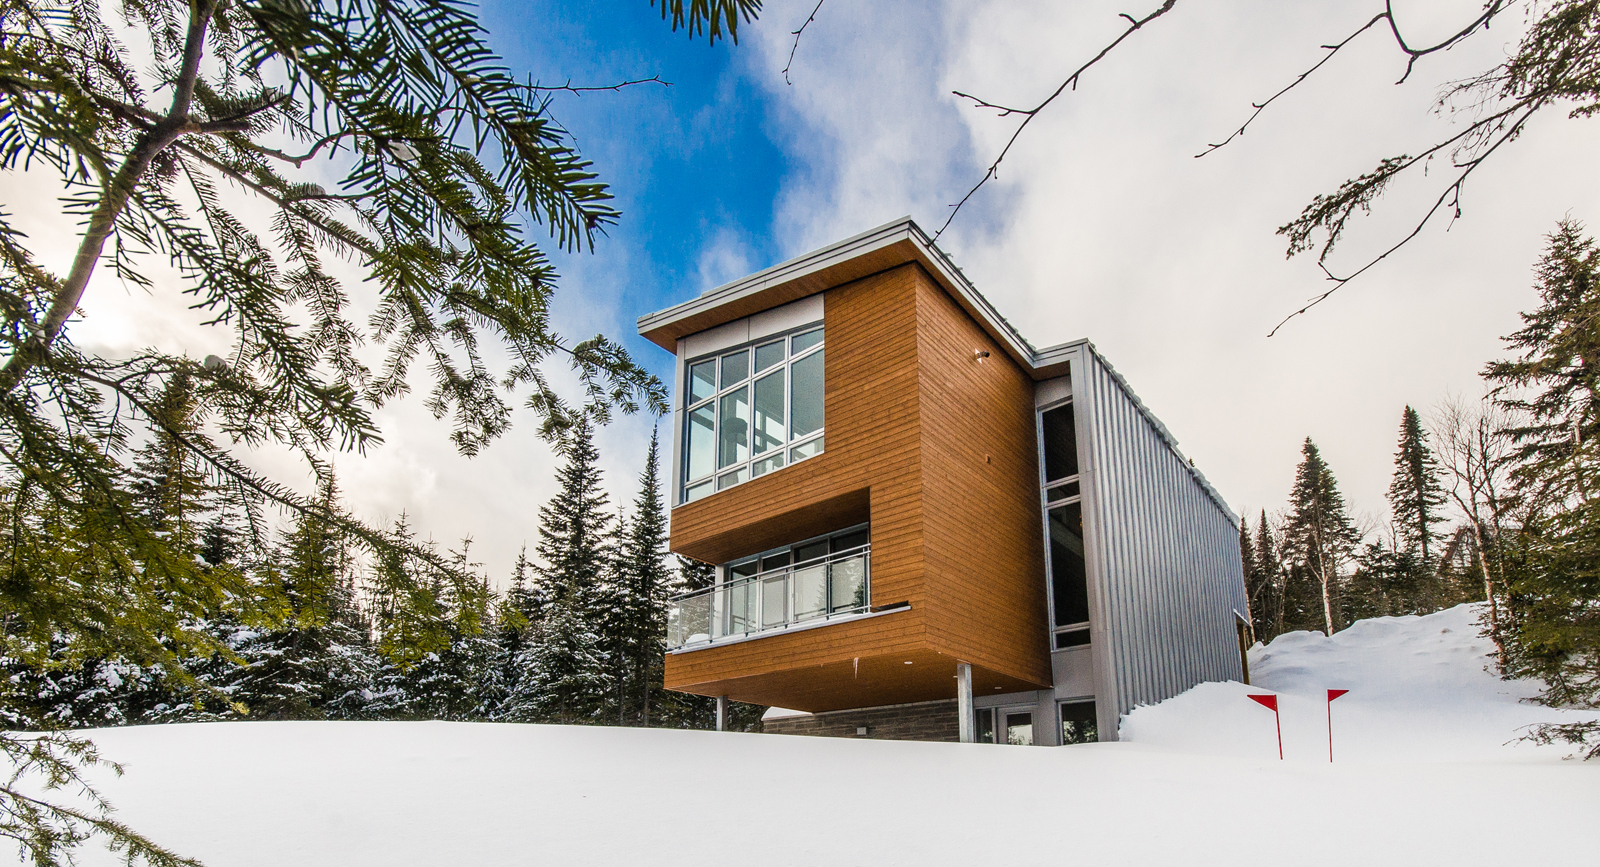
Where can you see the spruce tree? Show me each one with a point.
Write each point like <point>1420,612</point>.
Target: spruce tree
<point>1553,386</point>
<point>1319,538</point>
<point>574,527</point>
<point>645,581</point>
<point>1268,587</point>
<point>1415,496</point>
<point>314,660</point>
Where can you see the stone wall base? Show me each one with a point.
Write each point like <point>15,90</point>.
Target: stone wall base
<point>923,721</point>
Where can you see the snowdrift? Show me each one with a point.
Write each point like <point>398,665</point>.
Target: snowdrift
<point>1426,771</point>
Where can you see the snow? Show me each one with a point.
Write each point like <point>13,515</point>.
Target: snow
<point>1426,771</point>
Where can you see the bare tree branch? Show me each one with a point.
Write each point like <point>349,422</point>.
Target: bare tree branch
<point>796,34</point>
<point>1134,24</point>
<point>1451,197</point>
<point>1490,10</point>
<point>580,90</point>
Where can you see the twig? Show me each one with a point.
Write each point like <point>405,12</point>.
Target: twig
<point>1071,81</point>
<point>1412,56</point>
<point>1262,106</point>
<point>796,34</point>
<point>570,88</point>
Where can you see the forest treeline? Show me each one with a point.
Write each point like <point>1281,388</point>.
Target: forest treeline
<point>1493,501</point>
<point>313,626</point>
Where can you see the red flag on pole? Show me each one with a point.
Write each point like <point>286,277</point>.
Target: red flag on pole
<point>1332,694</point>
<point>1270,702</point>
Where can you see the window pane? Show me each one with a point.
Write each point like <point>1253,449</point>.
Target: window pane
<point>1065,640</point>
<point>846,541</point>
<point>1060,443</point>
<point>733,443</point>
<point>806,391</point>
<point>805,450</point>
<point>768,355</point>
<point>769,413</point>
<point>810,551</point>
<point>774,561</point>
<point>702,381</point>
<point>805,341</point>
<point>702,446</point>
<point>697,491</point>
<point>743,570</point>
<point>735,367</point>
<point>766,465</point>
<point>1069,588</point>
<point>1062,492</point>
<point>728,480</point>
<point>1019,729</point>
<point>1078,723</point>
<point>985,726</point>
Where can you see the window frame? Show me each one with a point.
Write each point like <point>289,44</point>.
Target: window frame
<point>743,471</point>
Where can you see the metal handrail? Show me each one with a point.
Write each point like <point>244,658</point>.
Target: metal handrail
<point>821,588</point>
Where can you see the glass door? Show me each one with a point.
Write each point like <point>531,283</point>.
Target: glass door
<point>1006,725</point>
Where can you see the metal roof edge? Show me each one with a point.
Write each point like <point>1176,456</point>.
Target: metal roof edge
<point>816,260</point>
<point>1161,429</point>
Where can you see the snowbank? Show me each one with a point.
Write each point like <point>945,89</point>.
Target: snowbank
<point>1419,688</point>
<point>1423,776</point>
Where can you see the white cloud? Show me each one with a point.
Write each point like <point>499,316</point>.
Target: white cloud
<point>1103,225</point>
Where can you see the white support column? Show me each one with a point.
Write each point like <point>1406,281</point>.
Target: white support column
<point>964,701</point>
<point>722,713</point>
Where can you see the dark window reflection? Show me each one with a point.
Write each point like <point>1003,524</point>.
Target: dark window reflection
<point>1060,443</point>
<point>1069,588</point>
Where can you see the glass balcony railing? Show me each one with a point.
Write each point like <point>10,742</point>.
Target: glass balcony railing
<point>819,589</point>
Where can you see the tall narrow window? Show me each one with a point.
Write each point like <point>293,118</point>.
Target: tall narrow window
<point>1063,512</point>
<point>752,410</point>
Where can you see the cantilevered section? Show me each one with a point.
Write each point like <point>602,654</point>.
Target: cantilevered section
<point>889,246</point>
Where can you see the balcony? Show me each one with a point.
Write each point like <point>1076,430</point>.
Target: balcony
<point>809,592</point>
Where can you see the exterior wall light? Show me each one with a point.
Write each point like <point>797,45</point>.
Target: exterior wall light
<point>980,354</point>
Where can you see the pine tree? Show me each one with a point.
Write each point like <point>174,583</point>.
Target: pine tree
<point>1319,538</point>
<point>1554,389</point>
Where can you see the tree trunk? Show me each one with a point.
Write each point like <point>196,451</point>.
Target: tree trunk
<point>1488,591</point>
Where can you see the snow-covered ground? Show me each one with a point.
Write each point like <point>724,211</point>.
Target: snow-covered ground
<point>1426,771</point>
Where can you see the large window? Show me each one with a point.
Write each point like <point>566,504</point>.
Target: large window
<point>752,410</point>
<point>1063,508</point>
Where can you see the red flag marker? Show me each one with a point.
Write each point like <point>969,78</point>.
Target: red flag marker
<point>1332,694</point>
<point>1270,702</point>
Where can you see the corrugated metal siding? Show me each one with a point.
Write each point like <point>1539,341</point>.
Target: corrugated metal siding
<point>1165,573</point>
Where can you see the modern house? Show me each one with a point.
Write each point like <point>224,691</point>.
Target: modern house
<point>923,527</point>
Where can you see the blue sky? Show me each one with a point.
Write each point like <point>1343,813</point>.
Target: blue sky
<point>690,165</point>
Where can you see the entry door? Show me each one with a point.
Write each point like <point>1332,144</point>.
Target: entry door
<point>1007,725</point>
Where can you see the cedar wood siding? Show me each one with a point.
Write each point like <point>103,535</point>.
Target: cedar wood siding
<point>887,337</point>
<point>984,537</point>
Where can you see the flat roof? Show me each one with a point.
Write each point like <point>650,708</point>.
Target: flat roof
<point>890,245</point>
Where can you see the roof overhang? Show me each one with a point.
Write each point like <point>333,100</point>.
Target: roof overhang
<point>891,245</point>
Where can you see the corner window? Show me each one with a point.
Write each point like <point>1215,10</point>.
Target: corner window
<point>752,410</point>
